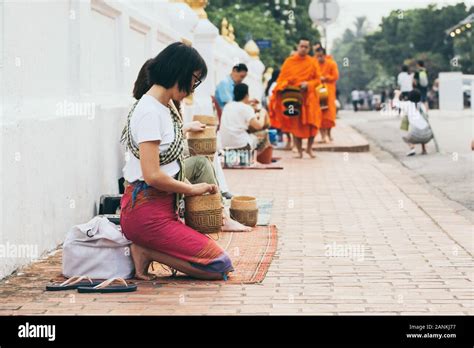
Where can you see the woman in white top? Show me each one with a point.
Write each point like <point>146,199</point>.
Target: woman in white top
<point>419,129</point>
<point>155,171</point>
<point>405,82</point>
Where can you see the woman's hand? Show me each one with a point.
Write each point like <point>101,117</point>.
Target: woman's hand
<point>194,126</point>
<point>201,189</point>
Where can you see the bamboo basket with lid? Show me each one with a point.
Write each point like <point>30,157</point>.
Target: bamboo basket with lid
<point>244,209</point>
<point>203,143</point>
<point>204,213</point>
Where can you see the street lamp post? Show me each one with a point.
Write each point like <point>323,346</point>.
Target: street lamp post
<point>323,13</point>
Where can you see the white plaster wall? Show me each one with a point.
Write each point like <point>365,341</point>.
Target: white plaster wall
<point>67,71</point>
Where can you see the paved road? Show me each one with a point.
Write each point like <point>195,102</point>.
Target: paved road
<point>451,170</point>
<point>356,236</point>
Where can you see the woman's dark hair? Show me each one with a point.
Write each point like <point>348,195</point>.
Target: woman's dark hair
<point>176,64</point>
<point>240,91</point>
<point>275,75</point>
<point>405,68</point>
<point>414,96</point>
<point>142,84</point>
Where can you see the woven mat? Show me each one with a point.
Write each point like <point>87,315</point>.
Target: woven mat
<point>251,254</point>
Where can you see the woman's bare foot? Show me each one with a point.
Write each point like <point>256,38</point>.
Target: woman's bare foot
<point>231,225</point>
<point>288,147</point>
<point>142,263</point>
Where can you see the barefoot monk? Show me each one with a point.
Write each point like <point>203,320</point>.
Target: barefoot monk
<point>329,77</point>
<point>299,72</point>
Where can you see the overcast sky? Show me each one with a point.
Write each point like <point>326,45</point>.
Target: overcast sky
<point>374,10</point>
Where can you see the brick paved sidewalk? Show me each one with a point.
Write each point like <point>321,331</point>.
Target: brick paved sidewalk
<point>356,236</point>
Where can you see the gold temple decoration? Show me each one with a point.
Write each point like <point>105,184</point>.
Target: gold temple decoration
<point>198,6</point>
<point>187,42</point>
<point>227,31</point>
<point>252,49</point>
<point>225,28</point>
<point>231,33</point>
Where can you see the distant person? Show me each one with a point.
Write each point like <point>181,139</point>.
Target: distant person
<point>329,76</point>
<point>370,99</point>
<point>362,96</point>
<point>383,96</point>
<point>225,89</point>
<point>238,118</point>
<point>405,82</point>
<point>421,81</point>
<point>300,72</point>
<point>419,129</point>
<point>355,99</point>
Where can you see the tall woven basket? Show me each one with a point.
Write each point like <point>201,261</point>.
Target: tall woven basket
<point>203,143</point>
<point>244,209</point>
<point>207,120</point>
<point>204,213</point>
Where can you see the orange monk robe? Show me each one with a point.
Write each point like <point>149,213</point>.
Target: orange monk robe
<point>330,71</point>
<point>296,70</point>
<point>274,121</point>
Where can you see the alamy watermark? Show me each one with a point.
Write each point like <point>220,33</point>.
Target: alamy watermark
<point>19,251</point>
<point>354,252</point>
<point>69,108</point>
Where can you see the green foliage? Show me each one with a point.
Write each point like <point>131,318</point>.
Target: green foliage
<point>372,61</point>
<point>283,24</point>
<point>421,34</point>
<point>356,69</point>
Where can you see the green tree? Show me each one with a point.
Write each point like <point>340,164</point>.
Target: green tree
<point>356,70</point>
<point>281,21</point>
<point>405,36</point>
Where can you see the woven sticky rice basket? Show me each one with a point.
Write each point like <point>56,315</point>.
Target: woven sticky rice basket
<point>207,120</point>
<point>204,213</point>
<point>244,209</point>
<point>323,96</point>
<point>203,143</point>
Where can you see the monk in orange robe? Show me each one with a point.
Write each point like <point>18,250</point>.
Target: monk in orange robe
<point>299,70</point>
<point>329,76</point>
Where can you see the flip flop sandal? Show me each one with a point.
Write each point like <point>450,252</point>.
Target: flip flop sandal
<point>106,287</point>
<point>73,283</point>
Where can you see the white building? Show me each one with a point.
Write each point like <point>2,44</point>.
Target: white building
<point>67,70</point>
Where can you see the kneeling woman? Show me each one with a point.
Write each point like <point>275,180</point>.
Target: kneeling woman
<point>155,171</point>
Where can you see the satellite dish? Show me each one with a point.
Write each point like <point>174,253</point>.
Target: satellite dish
<point>323,12</point>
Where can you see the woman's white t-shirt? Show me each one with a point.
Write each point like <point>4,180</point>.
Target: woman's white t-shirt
<point>150,121</point>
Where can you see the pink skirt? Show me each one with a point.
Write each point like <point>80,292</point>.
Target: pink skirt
<point>148,218</point>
